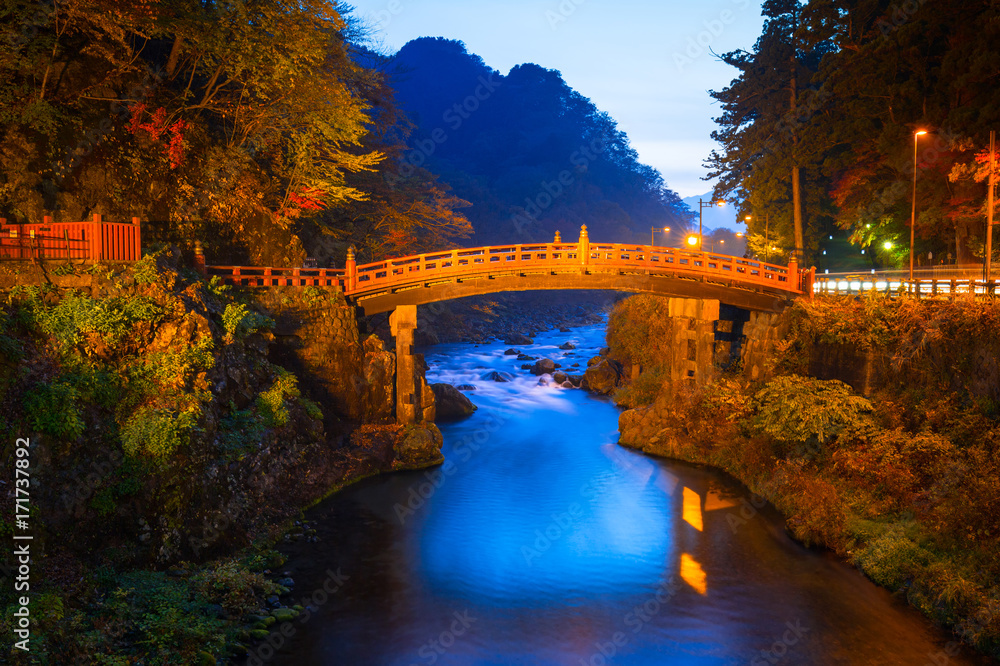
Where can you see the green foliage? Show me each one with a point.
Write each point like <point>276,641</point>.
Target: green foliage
<point>174,368</point>
<point>127,480</point>
<point>77,315</point>
<point>234,587</point>
<point>216,287</point>
<point>312,409</point>
<point>891,559</point>
<point>240,432</point>
<point>271,403</point>
<point>239,321</point>
<point>794,409</point>
<point>157,433</point>
<point>172,625</point>
<point>145,271</point>
<point>53,408</point>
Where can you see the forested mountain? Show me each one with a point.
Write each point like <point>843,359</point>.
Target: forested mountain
<point>531,154</point>
<point>835,90</point>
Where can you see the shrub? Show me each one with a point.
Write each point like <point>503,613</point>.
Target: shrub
<point>240,433</point>
<point>53,408</point>
<point>111,319</point>
<point>170,624</point>
<point>240,322</point>
<point>271,403</point>
<point>640,331</point>
<point>145,271</point>
<point>642,391</point>
<point>157,433</point>
<point>802,410</point>
<point>891,559</point>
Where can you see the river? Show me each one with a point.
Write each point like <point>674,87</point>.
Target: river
<point>541,541</point>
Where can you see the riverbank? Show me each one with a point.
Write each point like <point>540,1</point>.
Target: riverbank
<point>903,483</point>
<point>169,450</point>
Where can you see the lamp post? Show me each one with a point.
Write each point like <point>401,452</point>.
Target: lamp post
<point>653,230</point>
<point>989,212</point>
<point>913,211</point>
<point>702,205</point>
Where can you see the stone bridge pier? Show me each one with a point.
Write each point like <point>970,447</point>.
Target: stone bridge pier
<point>414,398</point>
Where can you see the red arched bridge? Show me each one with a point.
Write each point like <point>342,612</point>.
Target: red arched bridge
<point>382,286</point>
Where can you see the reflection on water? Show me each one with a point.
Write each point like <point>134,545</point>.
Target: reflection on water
<point>541,541</point>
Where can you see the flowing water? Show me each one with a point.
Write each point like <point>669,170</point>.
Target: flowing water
<point>541,541</point>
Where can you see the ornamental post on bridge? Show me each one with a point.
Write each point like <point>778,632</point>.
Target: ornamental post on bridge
<point>199,258</point>
<point>351,271</point>
<point>558,238</point>
<point>584,245</point>
<point>794,279</point>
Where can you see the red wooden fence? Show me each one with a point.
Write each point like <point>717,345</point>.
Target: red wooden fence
<point>93,241</point>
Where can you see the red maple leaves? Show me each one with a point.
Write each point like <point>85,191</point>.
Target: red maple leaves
<point>156,128</point>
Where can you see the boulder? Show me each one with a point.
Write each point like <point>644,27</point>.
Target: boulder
<point>466,387</point>
<point>567,385</point>
<point>496,376</point>
<point>543,366</point>
<point>594,361</point>
<point>576,380</point>
<point>563,329</point>
<point>511,352</point>
<point>604,377</point>
<point>525,357</point>
<point>567,345</point>
<point>559,377</point>
<point>519,340</point>
<point>451,403</point>
<point>418,446</point>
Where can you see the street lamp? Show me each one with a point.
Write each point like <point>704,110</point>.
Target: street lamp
<point>693,240</point>
<point>653,230</point>
<point>702,205</point>
<point>913,212</point>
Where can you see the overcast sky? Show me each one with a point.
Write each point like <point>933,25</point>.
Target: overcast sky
<point>648,64</point>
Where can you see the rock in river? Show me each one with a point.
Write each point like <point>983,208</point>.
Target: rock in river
<point>519,340</point>
<point>543,366</point>
<point>497,376</point>
<point>603,377</point>
<point>451,403</point>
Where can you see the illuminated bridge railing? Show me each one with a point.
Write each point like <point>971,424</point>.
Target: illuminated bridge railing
<point>583,258</point>
<point>927,283</point>
<point>569,258</point>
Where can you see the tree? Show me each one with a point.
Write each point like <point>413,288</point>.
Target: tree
<point>766,111</point>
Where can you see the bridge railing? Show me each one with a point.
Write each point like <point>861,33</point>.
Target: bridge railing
<point>94,241</point>
<point>390,273</point>
<point>925,284</point>
<point>255,276</point>
<point>556,257</point>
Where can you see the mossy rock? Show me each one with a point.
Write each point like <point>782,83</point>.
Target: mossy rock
<point>284,614</point>
<point>205,659</point>
<point>260,634</point>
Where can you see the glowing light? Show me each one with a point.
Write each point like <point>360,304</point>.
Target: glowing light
<point>887,245</point>
<point>693,574</point>
<point>920,132</point>
<point>692,240</point>
<point>721,203</point>
<point>692,509</point>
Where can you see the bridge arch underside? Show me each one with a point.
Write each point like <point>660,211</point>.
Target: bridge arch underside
<point>758,299</point>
